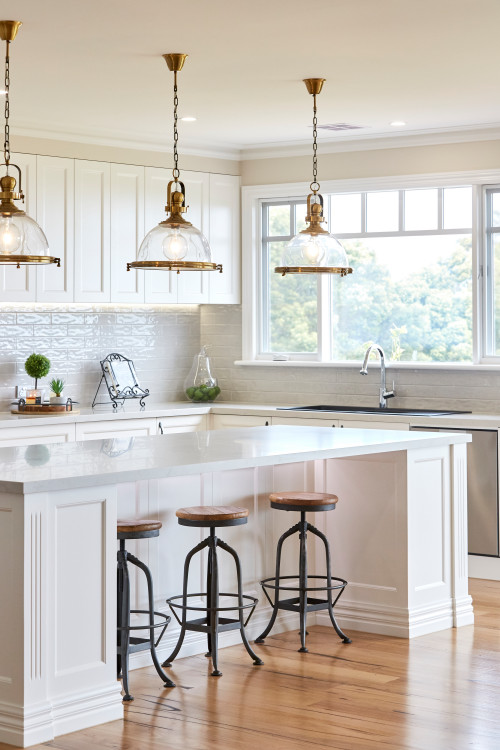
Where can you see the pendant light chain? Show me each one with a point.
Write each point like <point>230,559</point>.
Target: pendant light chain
<point>314,186</point>
<point>175,171</point>
<point>6,143</point>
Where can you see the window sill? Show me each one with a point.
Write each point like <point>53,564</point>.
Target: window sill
<point>456,366</point>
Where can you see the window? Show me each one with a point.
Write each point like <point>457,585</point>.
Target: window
<point>492,277</point>
<point>411,290</point>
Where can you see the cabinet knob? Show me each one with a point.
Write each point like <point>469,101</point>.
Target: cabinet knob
<point>160,428</point>
<point>267,424</point>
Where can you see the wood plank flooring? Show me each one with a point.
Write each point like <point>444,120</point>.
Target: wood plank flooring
<point>437,692</point>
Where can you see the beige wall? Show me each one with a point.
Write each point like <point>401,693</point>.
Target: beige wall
<point>449,157</point>
<point>95,152</point>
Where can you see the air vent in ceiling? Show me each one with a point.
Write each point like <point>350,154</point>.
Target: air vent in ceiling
<point>340,126</point>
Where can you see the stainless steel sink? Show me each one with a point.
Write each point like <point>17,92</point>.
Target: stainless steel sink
<point>374,410</point>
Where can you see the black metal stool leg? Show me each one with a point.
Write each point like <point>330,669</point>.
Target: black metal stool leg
<point>303,581</point>
<point>325,541</point>
<point>124,618</point>
<point>190,555</point>
<point>168,682</point>
<point>275,611</point>
<point>214,603</point>
<point>209,603</point>
<point>256,660</point>
<point>119,589</point>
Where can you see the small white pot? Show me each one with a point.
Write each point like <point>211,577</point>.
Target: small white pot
<point>58,399</point>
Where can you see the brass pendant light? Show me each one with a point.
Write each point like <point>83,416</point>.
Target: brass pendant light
<point>175,244</point>
<point>314,249</point>
<point>22,241</point>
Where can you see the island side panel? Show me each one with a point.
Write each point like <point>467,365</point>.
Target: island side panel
<point>463,613</point>
<point>369,541</point>
<point>430,540</point>
<point>12,658</point>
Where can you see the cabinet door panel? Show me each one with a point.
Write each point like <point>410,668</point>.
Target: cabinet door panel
<point>115,428</point>
<point>225,240</point>
<point>368,424</point>
<point>193,285</point>
<point>19,284</point>
<point>55,198</point>
<point>307,422</point>
<point>160,286</point>
<point>127,231</point>
<point>187,423</point>
<point>92,231</point>
<point>39,435</point>
<point>225,421</point>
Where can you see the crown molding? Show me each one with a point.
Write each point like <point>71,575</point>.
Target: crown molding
<point>371,142</point>
<point>127,141</point>
<point>339,144</point>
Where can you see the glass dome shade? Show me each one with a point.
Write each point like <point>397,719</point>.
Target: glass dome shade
<point>175,245</point>
<point>22,241</point>
<point>315,251</point>
<point>20,236</point>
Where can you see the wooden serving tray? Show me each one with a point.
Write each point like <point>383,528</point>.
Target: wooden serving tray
<point>41,410</point>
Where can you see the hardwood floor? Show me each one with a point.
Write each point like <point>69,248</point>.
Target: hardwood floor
<point>437,692</point>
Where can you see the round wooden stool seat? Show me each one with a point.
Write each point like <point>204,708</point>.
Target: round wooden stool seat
<point>212,515</point>
<point>303,501</point>
<point>137,528</point>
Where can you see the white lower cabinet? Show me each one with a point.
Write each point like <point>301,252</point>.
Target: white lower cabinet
<point>40,435</point>
<point>188,423</point>
<point>374,425</point>
<point>307,422</point>
<point>115,428</point>
<point>225,421</point>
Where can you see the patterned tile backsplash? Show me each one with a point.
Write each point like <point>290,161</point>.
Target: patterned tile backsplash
<point>162,340</point>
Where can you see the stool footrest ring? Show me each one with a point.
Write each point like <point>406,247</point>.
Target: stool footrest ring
<point>270,583</point>
<point>174,604</point>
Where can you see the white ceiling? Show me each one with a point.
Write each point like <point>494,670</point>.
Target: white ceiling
<point>93,69</point>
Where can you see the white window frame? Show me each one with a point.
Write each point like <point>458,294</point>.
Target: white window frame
<point>254,196</point>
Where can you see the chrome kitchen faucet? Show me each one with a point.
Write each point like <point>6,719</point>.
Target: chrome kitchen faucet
<point>384,393</point>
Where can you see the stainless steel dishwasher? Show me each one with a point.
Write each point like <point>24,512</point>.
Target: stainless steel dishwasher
<point>482,489</point>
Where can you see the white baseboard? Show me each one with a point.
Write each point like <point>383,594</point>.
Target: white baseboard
<point>21,728</point>
<point>393,621</point>
<point>84,710</point>
<point>69,714</point>
<point>484,567</point>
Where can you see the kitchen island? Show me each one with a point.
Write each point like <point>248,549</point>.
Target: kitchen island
<point>399,535</point>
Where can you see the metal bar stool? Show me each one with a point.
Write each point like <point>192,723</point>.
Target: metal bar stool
<point>214,619</point>
<point>301,602</point>
<point>127,644</point>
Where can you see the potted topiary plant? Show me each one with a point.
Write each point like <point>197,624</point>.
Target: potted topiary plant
<point>57,387</point>
<point>37,366</point>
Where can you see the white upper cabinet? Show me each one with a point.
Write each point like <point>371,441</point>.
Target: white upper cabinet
<point>55,193</point>
<point>127,231</point>
<point>160,286</point>
<point>225,241</point>
<point>19,284</point>
<point>95,216</point>
<point>193,286</point>
<point>92,231</point>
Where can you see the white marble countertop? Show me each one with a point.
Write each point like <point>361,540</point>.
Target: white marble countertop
<point>132,410</point>
<point>58,466</point>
